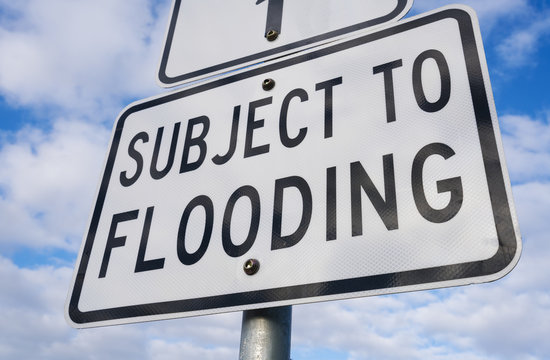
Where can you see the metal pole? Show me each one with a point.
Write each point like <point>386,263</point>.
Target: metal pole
<point>265,334</point>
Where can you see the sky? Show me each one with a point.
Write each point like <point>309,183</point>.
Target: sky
<point>67,69</point>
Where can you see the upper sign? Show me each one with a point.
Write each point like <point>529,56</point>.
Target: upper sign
<point>209,37</point>
<point>367,166</point>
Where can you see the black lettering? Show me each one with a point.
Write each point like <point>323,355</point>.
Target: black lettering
<point>283,129</point>
<point>387,69</point>
<point>220,160</point>
<point>112,240</point>
<point>331,203</point>
<point>445,77</point>
<point>230,248</point>
<point>327,86</point>
<point>141,263</point>
<point>185,257</point>
<point>136,155</point>
<point>452,185</point>
<point>156,174</point>
<point>274,15</point>
<point>253,124</point>
<point>279,241</point>
<point>386,209</point>
<point>197,141</point>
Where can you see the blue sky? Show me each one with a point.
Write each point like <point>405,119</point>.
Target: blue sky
<point>68,67</point>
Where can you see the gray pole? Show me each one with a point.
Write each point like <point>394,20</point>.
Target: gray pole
<point>265,334</point>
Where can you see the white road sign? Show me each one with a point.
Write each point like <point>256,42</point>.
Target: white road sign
<point>374,165</point>
<point>209,37</point>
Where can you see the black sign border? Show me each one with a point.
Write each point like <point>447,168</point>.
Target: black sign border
<point>172,81</point>
<point>508,242</point>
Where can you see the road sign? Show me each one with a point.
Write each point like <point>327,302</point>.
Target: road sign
<point>367,166</point>
<point>209,37</point>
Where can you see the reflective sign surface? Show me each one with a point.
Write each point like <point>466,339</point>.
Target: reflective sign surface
<point>368,166</point>
<point>209,37</point>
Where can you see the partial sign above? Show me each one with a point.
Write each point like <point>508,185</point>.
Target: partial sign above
<point>369,166</point>
<point>209,37</point>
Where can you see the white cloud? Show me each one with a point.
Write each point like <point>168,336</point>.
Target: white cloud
<point>78,55</point>
<point>503,320</point>
<point>162,350</point>
<point>518,49</point>
<point>109,343</point>
<point>517,44</point>
<point>30,302</point>
<point>450,326</point>
<point>97,56</point>
<point>34,326</point>
<point>527,147</point>
<point>533,204</point>
<point>74,62</point>
<point>488,11</point>
<point>222,330</point>
<point>47,183</point>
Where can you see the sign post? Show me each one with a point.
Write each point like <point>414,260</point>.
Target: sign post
<point>265,334</point>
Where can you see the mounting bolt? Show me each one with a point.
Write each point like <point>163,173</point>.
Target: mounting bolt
<point>268,84</point>
<point>251,266</point>
<point>272,35</point>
